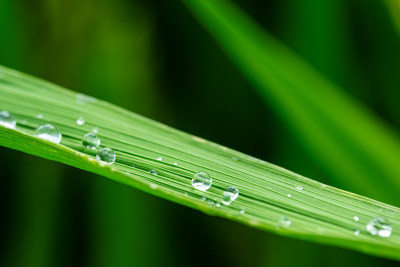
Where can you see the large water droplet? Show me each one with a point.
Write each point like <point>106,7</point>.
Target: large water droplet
<point>379,226</point>
<point>106,155</point>
<point>49,133</point>
<point>202,181</point>
<point>7,120</point>
<point>90,140</point>
<point>284,222</point>
<point>80,121</point>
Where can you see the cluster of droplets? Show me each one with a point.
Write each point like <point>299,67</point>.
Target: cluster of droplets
<point>202,181</point>
<point>105,154</point>
<point>379,226</point>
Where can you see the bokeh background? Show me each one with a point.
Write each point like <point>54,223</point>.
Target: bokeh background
<point>153,58</point>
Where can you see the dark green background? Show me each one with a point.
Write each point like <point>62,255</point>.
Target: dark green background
<point>152,57</point>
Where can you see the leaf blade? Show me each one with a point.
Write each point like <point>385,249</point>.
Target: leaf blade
<point>318,213</point>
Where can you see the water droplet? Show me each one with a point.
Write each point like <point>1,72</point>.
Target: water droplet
<point>284,222</point>
<point>49,133</point>
<point>356,232</point>
<point>106,155</point>
<point>90,140</point>
<point>159,158</point>
<point>39,116</point>
<point>230,194</point>
<point>133,166</point>
<point>241,211</point>
<point>153,172</point>
<point>379,226</point>
<point>203,198</point>
<point>356,219</point>
<point>226,200</point>
<point>176,164</point>
<point>95,130</point>
<point>80,121</point>
<point>299,188</point>
<point>232,191</point>
<point>289,195</point>
<point>186,194</point>
<point>7,120</point>
<point>202,181</point>
<point>218,205</point>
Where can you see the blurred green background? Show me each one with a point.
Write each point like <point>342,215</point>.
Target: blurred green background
<point>154,58</point>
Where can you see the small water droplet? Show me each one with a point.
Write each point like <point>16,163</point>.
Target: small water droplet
<point>159,158</point>
<point>80,121</point>
<point>226,199</point>
<point>284,222</point>
<point>133,166</point>
<point>106,155</point>
<point>202,181</point>
<point>379,226</point>
<point>299,188</point>
<point>186,194</point>
<point>232,191</point>
<point>203,198</point>
<point>154,172</point>
<point>7,120</point>
<point>356,232</point>
<point>289,195</point>
<point>39,116</point>
<point>230,194</point>
<point>356,219</point>
<point>176,164</point>
<point>90,140</point>
<point>241,211</point>
<point>218,205</point>
<point>95,130</point>
<point>49,133</point>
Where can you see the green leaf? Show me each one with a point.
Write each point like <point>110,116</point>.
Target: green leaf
<point>267,192</point>
<point>352,144</point>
